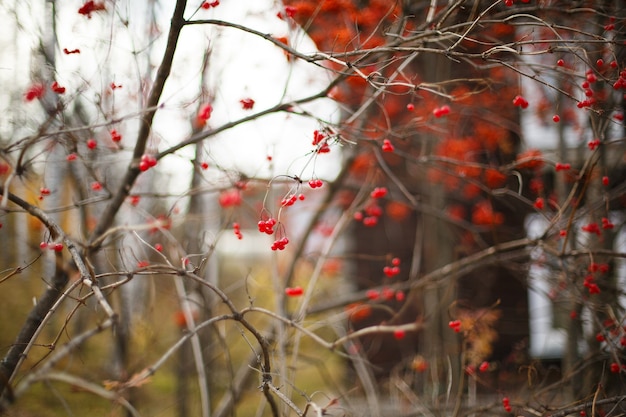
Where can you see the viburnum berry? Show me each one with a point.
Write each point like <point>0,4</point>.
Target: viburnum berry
<point>400,296</point>
<point>57,88</point>
<point>92,144</point>
<point>143,264</point>
<point>158,247</point>
<point>600,337</point>
<point>71,157</point>
<point>237,230</point>
<point>147,162</point>
<point>391,271</point>
<point>247,103</point>
<point>372,295</point>
<point>44,191</point>
<point>96,186</point>
<point>615,368</point>
<point>484,366</point>
<point>591,228</point>
<point>520,101</point>
<point>43,245</point>
<point>35,91</point>
<point>560,63</point>
<point>556,118</point>
<point>508,3</point>
<point>57,247</point>
<point>395,261</point>
<point>600,63</point>
<point>204,114</point>
<point>204,165</point>
<point>89,7</point>
<point>455,325</point>
<point>379,192</point>
<point>593,144</point>
<point>115,136</point>
<point>562,166</point>
<point>399,334</point>
<point>280,244</point>
<point>387,146</point>
<point>267,226</point>
<point>207,5</point>
<point>294,291</point>
<point>230,198</point>
<point>410,107</point>
<point>539,204</point>
<point>315,183</point>
<point>607,224</point>
<point>441,111</point>
<point>134,199</point>
<point>370,221</point>
<point>605,180</point>
<point>289,200</point>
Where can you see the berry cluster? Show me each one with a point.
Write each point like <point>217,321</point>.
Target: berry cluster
<point>115,136</point>
<point>506,403</point>
<point>147,162</point>
<point>294,291</point>
<point>207,5</point>
<point>57,247</point>
<point>387,146</point>
<point>441,111</point>
<point>237,230</point>
<point>267,226</point>
<point>520,101</point>
<point>386,294</point>
<point>319,140</point>
<point>455,325</point>
<point>316,183</point>
<point>394,269</point>
<point>280,244</point>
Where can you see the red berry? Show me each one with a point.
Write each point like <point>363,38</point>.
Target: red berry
<point>57,88</point>
<point>92,144</point>
<point>410,107</point>
<point>399,334</point>
<point>96,186</point>
<point>615,367</point>
<point>71,157</point>
<point>379,192</point>
<point>158,247</point>
<point>387,146</point>
<point>484,366</point>
<point>43,245</point>
<point>556,118</point>
<point>115,136</point>
<point>247,103</point>
<point>539,204</point>
<point>605,181</point>
<point>560,63</point>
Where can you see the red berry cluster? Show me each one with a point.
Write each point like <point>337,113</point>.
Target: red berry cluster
<point>147,162</point>
<point>57,88</point>
<point>316,183</point>
<point>294,291</point>
<point>207,5</point>
<point>455,325</point>
<point>267,226</point>
<point>280,244</point>
<point>506,403</point>
<point>230,198</point>
<point>559,166</point>
<point>204,114</point>
<point>291,199</point>
<point>57,247</point>
<point>386,294</point>
<point>520,101</point>
<point>247,103</point>
<point>115,136</point>
<point>43,192</point>
<point>36,90</point>
<point>593,144</point>
<point>387,146</point>
<point>237,230</point>
<point>379,192</point>
<point>392,270</point>
<point>319,140</point>
<point>441,111</point>
<point>290,11</point>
